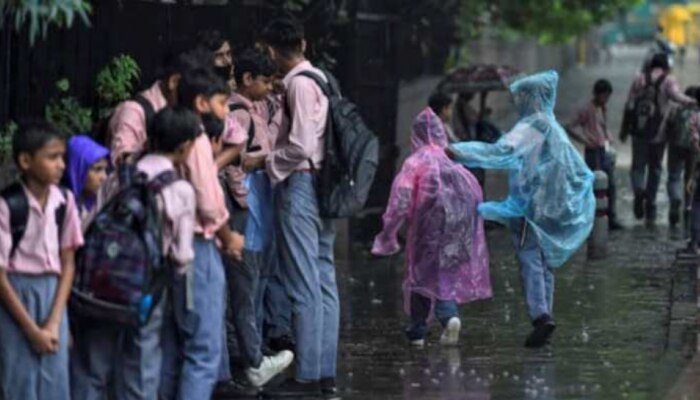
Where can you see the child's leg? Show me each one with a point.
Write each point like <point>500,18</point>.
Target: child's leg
<point>420,309</point>
<point>92,359</point>
<point>243,280</point>
<point>23,374</point>
<point>203,324</point>
<point>140,358</point>
<point>446,310</point>
<point>537,280</point>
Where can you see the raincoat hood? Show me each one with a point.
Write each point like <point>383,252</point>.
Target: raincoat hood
<point>550,185</point>
<point>535,93</point>
<point>83,152</point>
<point>428,130</point>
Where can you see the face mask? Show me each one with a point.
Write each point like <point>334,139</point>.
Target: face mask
<point>224,72</point>
<point>213,126</point>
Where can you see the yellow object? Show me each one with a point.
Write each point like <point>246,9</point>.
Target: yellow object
<point>694,27</point>
<point>676,21</point>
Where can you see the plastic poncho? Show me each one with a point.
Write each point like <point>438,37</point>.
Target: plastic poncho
<point>446,253</point>
<point>82,153</point>
<point>549,183</point>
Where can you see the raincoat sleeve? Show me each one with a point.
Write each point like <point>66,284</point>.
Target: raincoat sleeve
<point>400,203</point>
<point>507,153</point>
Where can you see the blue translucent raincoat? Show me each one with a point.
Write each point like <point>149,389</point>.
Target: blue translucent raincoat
<point>549,183</point>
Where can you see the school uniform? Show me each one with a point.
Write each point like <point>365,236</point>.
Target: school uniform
<point>34,272</point>
<point>131,357</point>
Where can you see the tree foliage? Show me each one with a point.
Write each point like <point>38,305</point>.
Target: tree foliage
<point>550,21</point>
<point>41,14</point>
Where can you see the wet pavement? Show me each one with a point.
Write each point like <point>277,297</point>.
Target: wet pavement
<point>626,325</point>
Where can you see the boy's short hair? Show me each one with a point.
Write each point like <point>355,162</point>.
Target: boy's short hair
<point>285,35</point>
<point>602,86</point>
<point>254,61</point>
<point>182,58</point>
<point>211,40</point>
<point>200,82</point>
<point>438,101</point>
<point>32,136</point>
<point>173,126</point>
<point>660,60</point>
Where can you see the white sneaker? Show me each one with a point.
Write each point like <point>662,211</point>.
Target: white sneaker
<point>450,336</point>
<point>269,367</point>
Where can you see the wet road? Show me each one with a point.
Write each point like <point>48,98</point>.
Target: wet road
<point>626,325</point>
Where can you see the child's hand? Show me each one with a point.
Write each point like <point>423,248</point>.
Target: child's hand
<point>54,330</point>
<point>233,247</point>
<point>253,163</point>
<point>42,341</point>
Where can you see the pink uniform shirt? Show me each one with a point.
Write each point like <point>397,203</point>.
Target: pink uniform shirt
<point>591,120</point>
<point>300,139</point>
<point>39,251</point>
<point>128,123</point>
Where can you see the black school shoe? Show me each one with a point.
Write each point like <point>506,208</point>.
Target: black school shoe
<point>543,329</point>
<point>674,213</point>
<point>614,225</point>
<point>235,389</point>
<point>328,387</point>
<point>292,388</point>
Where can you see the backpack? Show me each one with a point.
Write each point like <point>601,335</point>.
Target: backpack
<point>251,128</point>
<point>678,126</point>
<point>351,155</point>
<point>647,111</point>
<point>121,272</point>
<point>18,205</point>
<point>101,129</point>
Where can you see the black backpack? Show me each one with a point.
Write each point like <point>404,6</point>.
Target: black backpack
<point>351,155</point>
<point>101,129</point>
<point>251,128</point>
<point>18,205</point>
<point>121,272</point>
<point>648,115</point>
<point>678,128</point>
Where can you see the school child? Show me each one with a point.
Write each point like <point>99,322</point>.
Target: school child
<point>253,75</point>
<point>202,322</point>
<point>680,130</point>
<point>447,256</point>
<point>590,127</point>
<point>443,106</point>
<point>87,171</point>
<point>39,234</point>
<point>549,218</point>
<point>128,123</point>
<point>306,239</point>
<point>121,356</point>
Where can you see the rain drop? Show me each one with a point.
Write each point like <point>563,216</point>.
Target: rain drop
<point>426,371</point>
<point>435,381</point>
<point>516,378</point>
<point>402,372</point>
<point>376,302</point>
<point>472,372</point>
<point>506,374</point>
<point>415,384</point>
<point>371,284</point>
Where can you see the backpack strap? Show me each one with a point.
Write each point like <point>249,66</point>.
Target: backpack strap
<point>61,214</point>
<point>251,128</point>
<point>162,180</point>
<point>329,90</point>
<point>148,110</point>
<point>18,204</point>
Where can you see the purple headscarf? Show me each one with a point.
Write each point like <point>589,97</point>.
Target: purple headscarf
<point>83,152</point>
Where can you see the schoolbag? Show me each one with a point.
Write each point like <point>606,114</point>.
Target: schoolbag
<point>251,128</point>
<point>121,272</point>
<point>101,129</point>
<point>351,155</point>
<point>679,130</point>
<point>18,205</point>
<point>647,111</point>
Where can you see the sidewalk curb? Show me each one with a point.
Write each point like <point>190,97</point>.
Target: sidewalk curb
<point>688,385</point>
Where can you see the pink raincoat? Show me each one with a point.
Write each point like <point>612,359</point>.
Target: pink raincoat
<point>446,253</point>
